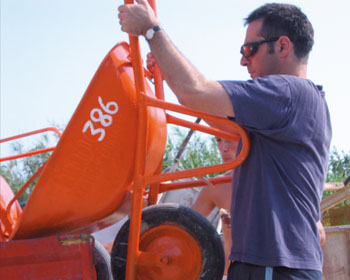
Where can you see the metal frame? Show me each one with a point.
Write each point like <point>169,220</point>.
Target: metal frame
<point>135,256</point>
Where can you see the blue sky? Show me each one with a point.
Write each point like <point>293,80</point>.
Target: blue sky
<point>50,51</point>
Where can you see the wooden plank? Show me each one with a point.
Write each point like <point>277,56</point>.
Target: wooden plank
<point>336,253</point>
<point>335,198</point>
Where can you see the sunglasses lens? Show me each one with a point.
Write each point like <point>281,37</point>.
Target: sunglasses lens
<point>246,50</point>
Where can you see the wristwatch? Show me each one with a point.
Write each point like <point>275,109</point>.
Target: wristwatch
<point>150,32</point>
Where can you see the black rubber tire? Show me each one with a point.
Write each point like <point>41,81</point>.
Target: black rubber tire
<point>102,262</point>
<point>195,224</point>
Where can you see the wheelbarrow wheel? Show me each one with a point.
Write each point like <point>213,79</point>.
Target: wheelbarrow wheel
<point>102,262</point>
<point>191,244</point>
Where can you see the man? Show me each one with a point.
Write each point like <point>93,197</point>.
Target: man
<point>220,196</point>
<point>277,191</point>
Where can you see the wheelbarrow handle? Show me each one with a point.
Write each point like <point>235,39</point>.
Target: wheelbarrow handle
<point>135,216</point>
<point>137,62</point>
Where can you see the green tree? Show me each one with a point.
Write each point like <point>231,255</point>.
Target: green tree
<point>339,166</point>
<point>338,170</point>
<point>200,151</point>
<point>18,172</point>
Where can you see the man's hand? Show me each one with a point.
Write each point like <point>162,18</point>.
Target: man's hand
<point>225,217</point>
<point>150,62</point>
<point>136,19</point>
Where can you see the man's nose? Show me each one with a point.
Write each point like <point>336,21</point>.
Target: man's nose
<point>244,61</point>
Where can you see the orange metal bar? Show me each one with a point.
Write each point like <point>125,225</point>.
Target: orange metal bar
<point>154,189</point>
<point>215,119</point>
<point>54,129</point>
<point>135,216</point>
<point>158,83</point>
<point>153,5</point>
<point>202,128</point>
<point>27,154</point>
<point>195,172</point>
<point>151,101</point>
<point>159,91</point>
<point>140,180</point>
<point>165,187</point>
<point>31,153</point>
<point>6,217</point>
<point>144,180</point>
<point>19,193</point>
<point>7,228</point>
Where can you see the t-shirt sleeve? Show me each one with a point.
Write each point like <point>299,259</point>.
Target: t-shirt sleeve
<point>263,103</point>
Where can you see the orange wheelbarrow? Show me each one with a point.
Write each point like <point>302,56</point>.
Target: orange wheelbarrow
<point>114,146</point>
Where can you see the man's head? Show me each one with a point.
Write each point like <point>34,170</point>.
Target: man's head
<point>227,149</point>
<point>276,31</point>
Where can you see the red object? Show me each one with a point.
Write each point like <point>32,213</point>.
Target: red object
<point>113,145</point>
<point>8,218</point>
<point>49,258</point>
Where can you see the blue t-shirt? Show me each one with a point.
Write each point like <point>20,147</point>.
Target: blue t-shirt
<point>277,191</point>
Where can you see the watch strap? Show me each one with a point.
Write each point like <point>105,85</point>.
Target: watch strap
<point>151,31</point>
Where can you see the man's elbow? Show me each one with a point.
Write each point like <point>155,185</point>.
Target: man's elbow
<point>190,99</point>
<point>185,100</point>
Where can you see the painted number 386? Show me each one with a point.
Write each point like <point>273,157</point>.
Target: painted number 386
<point>103,117</point>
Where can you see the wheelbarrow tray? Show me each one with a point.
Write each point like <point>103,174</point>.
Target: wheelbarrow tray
<point>89,174</point>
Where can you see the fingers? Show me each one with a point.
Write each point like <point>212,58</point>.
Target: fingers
<point>210,184</point>
<point>135,19</point>
<point>150,56</point>
<point>150,60</point>
<point>123,9</point>
<point>150,63</point>
<point>225,217</point>
<point>150,68</point>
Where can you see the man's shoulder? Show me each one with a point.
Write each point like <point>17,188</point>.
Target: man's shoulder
<point>294,81</point>
<point>284,79</point>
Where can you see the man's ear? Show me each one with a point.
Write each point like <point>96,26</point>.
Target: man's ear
<point>284,46</point>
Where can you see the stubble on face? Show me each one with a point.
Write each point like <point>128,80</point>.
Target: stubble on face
<point>264,62</point>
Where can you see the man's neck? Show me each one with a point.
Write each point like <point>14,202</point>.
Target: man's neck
<point>303,71</point>
<point>295,68</point>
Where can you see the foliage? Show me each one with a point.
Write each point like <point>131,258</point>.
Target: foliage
<point>200,151</point>
<point>18,172</point>
<point>339,166</point>
<point>338,171</point>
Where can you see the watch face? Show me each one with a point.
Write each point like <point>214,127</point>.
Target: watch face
<point>149,33</point>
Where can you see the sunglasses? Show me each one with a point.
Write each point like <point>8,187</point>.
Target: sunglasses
<point>251,48</point>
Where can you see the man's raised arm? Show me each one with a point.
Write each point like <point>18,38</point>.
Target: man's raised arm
<point>189,85</point>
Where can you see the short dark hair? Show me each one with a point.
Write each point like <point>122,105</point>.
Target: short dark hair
<point>288,20</point>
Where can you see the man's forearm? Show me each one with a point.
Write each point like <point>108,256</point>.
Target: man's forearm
<point>181,76</point>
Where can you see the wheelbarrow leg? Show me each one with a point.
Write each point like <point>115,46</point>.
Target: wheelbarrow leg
<point>134,232</point>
